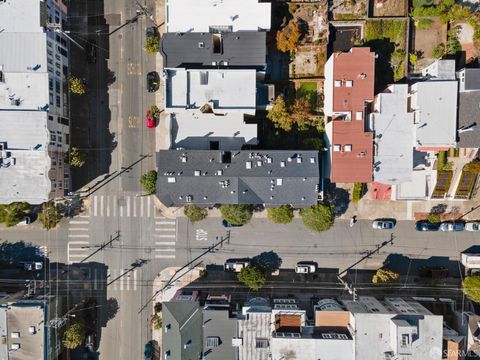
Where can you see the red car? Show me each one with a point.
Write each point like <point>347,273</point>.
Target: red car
<point>150,119</point>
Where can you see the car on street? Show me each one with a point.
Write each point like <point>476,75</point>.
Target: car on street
<point>452,226</point>
<point>150,120</point>
<point>32,266</point>
<point>148,351</point>
<point>305,267</point>
<point>383,224</point>
<point>426,226</point>
<point>472,226</point>
<point>226,224</point>
<point>151,31</point>
<point>236,265</point>
<point>153,81</point>
<point>25,220</point>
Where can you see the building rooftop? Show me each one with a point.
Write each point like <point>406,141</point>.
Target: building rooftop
<point>30,57</point>
<point>228,15</point>
<point>245,49</point>
<point>469,119</point>
<point>219,91</point>
<point>24,91</point>
<point>394,136</point>
<point>195,130</point>
<point>219,329</point>
<point>31,12</point>
<point>25,160</point>
<point>254,326</point>
<point>205,177</point>
<point>472,80</point>
<point>435,106</point>
<point>440,70</point>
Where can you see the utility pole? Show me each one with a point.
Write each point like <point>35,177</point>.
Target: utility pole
<point>103,246</point>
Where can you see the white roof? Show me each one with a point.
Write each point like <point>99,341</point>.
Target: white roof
<point>440,70</point>
<point>194,130</point>
<point>28,89</point>
<point>435,105</point>
<point>394,136</point>
<point>21,16</point>
<point>228,90</point>
<point>199,15</point>
<point>26,179</point>
<point>25,57</point>
<point>312,348</point>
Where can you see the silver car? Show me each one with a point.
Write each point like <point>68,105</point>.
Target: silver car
<point>452,226</point>
<point>472,226</point>
<point>383,224</point>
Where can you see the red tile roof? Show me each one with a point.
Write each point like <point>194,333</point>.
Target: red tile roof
<point>356,71</point>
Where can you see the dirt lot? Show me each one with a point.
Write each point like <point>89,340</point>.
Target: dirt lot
<point>389,8</point>
<point>349,10</point>
<point>426,40</point>
<point>465,36</point>
<point>316,18</point>
<point>309,61</point>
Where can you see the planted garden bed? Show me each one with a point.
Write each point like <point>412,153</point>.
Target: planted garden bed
<point>444,178</point>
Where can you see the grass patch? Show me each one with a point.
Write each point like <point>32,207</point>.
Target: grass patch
<point>422,3</point>
<point>308,90</point>
<point>465,186</point>
<point>442,160</point>
<point>357,192</point>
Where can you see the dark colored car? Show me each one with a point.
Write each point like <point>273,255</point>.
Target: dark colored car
<point>426,226</point>
<point>151,31</point>
<point>226,224</point>
<point>153,81</point>
<point>91,52</point>
<point>148,352</point>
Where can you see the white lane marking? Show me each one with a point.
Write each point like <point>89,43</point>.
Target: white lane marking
<point>77,255</point>
<point>135,206</point>
<point>121,282</point>
<point>114,205</point>
<point>76,242</point>
<point>78,222</point>
<point>78,236</point>
<point>121,211</point>
<point>84,216</point>
<point>78,229</point>
<point>165,236</point>
<point>95,205</point>
<point>165,229</point>
<point>135,280</point>
<point>148,206</point>
<point>101,205</point>
<point>127,280</point>
<point>141,206</point>
<point>166,243</point>
<point>164,256</point>
<point>128,206</point>
<point>164,222</point>
<point>166,250</point>
<point>108,206</point>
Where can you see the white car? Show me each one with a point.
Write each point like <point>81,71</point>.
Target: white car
<point>33,266</point>
<point>472,226</point>
<point>305,267</point>
<point>236,265</point>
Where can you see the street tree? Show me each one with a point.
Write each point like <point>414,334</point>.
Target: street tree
<point>453,45</point>
<point>77,86</point>
<point>289,37</point>
<point>13,213</point>
<point>237,214</point>
<point>279,115</point>
<point>152,46</point>
<point>195,213</point>
<point>434,218</point>
<point>74,335</point>
<point>50,216</point>
<point>281,215</point>
<point>471,287</point>
<point>149,182</point>
<point>156,321</point>
<point>77,157</point>
<point>252,277</point>
<point>318,217</point>
<point>384,275</point>
<point>301,113</point>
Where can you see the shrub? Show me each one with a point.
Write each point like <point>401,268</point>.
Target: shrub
<point>252,277</point>
<point>472,167</point>
<point>13,213</point>
<point>279,116</point>
<point>156,322</point>
<point>424,23</point>
<point>149,182</point>
<point>357,192</point>
<point>441,160</point>
<point>471,288</point>
<point>77,86</point>
<point>453,45</point>
<point>289,37</point>
<point>438,51</point>
<point>195,213</point>
<point>152,46</point>
<point>434,218</point>
<point>77,157</point>
<point>50,216</point>
<point>74,335</point>
<point>157,307</point>
<point>384,275</point>
<point>237,214</point>
<point>281,215</point>
<point>318,217</point>
<point>413,58</point>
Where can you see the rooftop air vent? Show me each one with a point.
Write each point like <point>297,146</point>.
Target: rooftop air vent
<point>201,45</point>
<point>248,165</point>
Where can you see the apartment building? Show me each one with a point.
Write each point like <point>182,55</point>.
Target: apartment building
<point>34,109</point>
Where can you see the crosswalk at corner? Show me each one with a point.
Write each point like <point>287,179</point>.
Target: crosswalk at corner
<point>121,206</point>
<point>121,280</point>
<point>78,239</point>
<point>165,237</point>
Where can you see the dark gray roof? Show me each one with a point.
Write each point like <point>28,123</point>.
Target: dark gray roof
<point>271,177</point>
<point>218,325</point>
<point>184,337</point>
<point>245,49</point>
<point>469,117</point>
<point>472,79</point>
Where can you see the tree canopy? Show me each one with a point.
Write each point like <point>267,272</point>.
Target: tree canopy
<point>237,214</point>
<point>74,335</point>
<point>281,215</point>
<point>195,213</point>
<point>252,277</point>
<point>152,46</point>
<point>318,217</point>
<point>149,182</point>
<point>77,86</point>
<point>77,157</point>
<point>13,213</point>
<point>289,37</point>
<point>384,275</point>
<point>285,116</point>
<point>471,288</point>
<point>50,216</point>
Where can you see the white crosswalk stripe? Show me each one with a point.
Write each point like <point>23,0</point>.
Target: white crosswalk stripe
<point>76,250</point>
<point>120,280</point>
<point>123,206</point>
<point>165,238</point>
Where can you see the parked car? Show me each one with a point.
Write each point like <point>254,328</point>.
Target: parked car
<point>25,221</point>
<point>148,351</point>
<point>383,224</point>
<point>151,31</point>
<point>472,226</point>
<point>433,272</point>
<point>452,226</point>
<point>32,266</point>
<point>236,265</point>
<point>91,52</point>
<point>150,120</point>
<point>153,81</point>
<point>305,267</point>
<point>426,226</point>
<point>226,224</point>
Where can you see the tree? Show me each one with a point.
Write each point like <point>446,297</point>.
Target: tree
<point>13,213</point>
<point>453,45</point>
<point>237,214</point>
<point>301,113</point>
<point>413,57</point>
<point>281,215</point>
<point>156,322</point>
<point>157,307</point>
<point>318,217</point>
<point>279,116</point>
<point>50,216</point>
<point>252,277</point>
<point>149,182</point>
<point>289,37</point>
<point>152,46</point>
<point>434,218</point>
<point>74,335</point>
<point>77,86</point>
<point>195,213</point>
<point>77,157</point>
<point>384,275</point>
<point>471,287</point>
<point>438,51</point>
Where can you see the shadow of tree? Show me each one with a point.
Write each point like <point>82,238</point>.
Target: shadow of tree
<point>19,251</point>
<point>111,308</point>
<point>268,261</point>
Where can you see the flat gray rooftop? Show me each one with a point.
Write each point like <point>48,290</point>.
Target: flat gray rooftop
<point>469,119</point>
<point>246,49</point>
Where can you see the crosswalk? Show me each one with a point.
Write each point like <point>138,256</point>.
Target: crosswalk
<point>121,206</point>
<point>165,237</point>
<point>78,239</point>
<point>121,280</point>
